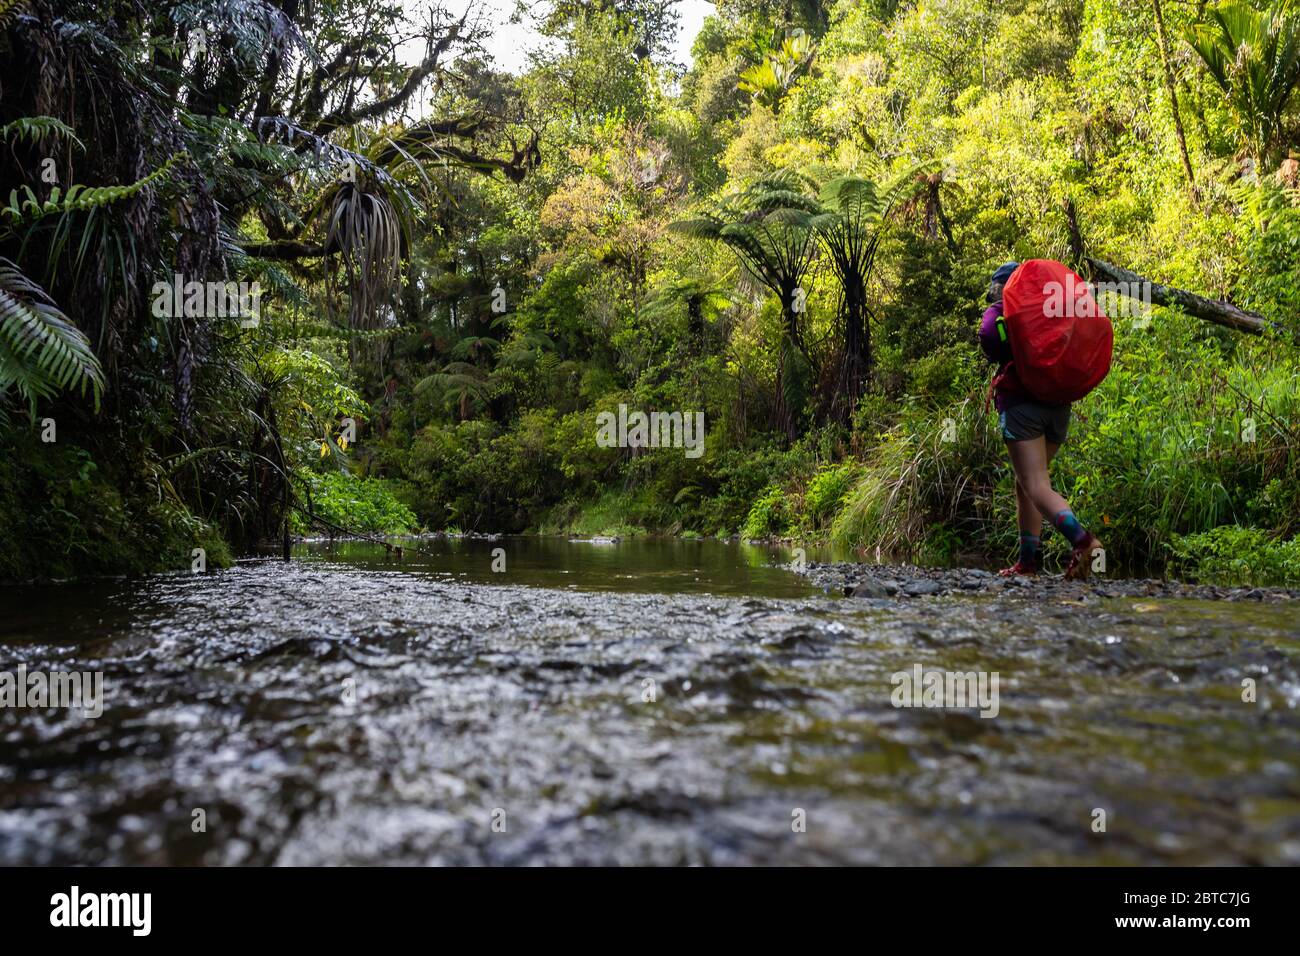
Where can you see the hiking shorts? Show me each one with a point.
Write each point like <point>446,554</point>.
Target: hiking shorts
<point>1028,420</point>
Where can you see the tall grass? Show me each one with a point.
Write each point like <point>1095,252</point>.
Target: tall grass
<point>928,486</point>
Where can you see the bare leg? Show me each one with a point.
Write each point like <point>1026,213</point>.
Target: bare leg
<point>1029,461</point>
<point>1028,516</point>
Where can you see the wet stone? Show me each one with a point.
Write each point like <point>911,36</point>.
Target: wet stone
<point>922,588</point>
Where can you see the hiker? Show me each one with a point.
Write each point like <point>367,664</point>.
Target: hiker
<point>1034,431</point>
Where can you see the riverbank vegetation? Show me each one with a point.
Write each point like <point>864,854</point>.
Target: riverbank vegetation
<point>460,268</point>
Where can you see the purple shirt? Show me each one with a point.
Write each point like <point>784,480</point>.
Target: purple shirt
<point>1008,391</point>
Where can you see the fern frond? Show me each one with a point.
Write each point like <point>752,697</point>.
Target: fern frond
<point>41,352</point>
<point>28,207</point>
<point>37,129</point>
<point>8,8</point>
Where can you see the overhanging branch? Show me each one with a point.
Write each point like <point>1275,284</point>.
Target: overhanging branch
<point>348,115</point>
<point>283,250</point>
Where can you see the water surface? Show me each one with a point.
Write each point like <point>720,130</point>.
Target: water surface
<point>639,564</point>
<point>638,702</point>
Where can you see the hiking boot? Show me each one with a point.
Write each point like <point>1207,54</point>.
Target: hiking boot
<point>1019,569</point>
<point>1081,559</point>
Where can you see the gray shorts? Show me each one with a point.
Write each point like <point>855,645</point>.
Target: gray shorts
<point>1028,420</point>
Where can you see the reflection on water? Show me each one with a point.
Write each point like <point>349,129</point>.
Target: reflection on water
<point>640,564</point>
<point>639,702</point>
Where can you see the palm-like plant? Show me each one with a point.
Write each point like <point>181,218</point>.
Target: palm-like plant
<point>769,81</point>
<point>1253,55</point>
<point>700,298</point>
<point>459,384</point>
<point>365,208</point>
<point>769,225</point>
<point>849,230</point>
<point>472,347</point>
<point>368,235</point>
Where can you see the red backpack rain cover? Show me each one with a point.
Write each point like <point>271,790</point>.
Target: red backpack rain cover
<point>1060,338</point>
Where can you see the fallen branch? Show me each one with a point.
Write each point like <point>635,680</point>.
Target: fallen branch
<point>1211,310</point>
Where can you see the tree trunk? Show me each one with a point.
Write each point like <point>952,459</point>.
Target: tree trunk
<point>1211,310</point>
<point>856,366</point>
<point>787,416</point>
<point>1171,86</point>
<point>695,324</point>
<point>781,412</point>
<point>1078,251</point>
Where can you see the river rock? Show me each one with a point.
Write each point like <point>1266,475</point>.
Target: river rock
<point>869,589</point>
<point>922,588</point>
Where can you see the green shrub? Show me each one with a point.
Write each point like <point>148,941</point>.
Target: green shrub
<point>731,481</point>
<point>768,516</point>
<point>615,512</point>
<point>1178,441</point>
<point>1237,556</point>
<point>357,504</point>
<point>477,476</point>
<point>67,515</point>
<point>826,490</point>
<point>946,374</point>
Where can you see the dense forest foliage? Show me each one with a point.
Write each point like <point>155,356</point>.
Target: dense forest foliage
<point>459,269</point>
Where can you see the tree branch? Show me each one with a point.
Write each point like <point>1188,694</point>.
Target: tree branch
<point>283,250</point>
<point>1211,310</point>
<point>349,115</point>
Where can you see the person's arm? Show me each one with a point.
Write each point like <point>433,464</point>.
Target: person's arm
<point>996,350</point>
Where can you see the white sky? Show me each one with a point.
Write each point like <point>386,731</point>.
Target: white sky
<point>511,42</point>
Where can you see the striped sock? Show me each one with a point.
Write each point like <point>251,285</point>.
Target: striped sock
<point>1066,523</point>
<point>1030,545</point>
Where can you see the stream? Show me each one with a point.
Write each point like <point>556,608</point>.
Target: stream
<point>643,701</point>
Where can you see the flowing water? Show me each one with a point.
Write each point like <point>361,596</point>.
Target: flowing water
<point>642,701</point>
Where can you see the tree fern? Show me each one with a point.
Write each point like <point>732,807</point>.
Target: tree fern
<point>459,384</point>
<point>472,346</point>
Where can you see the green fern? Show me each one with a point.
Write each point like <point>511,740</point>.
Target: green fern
<point>459,384</point>
<point>41,352</point>
<point>38,129</point>
<point>29,207</point>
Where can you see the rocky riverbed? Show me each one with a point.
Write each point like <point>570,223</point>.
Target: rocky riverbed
<point>886,581</point>
<point>350,709</point>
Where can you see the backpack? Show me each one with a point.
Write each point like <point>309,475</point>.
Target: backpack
<point>1060,338</point>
